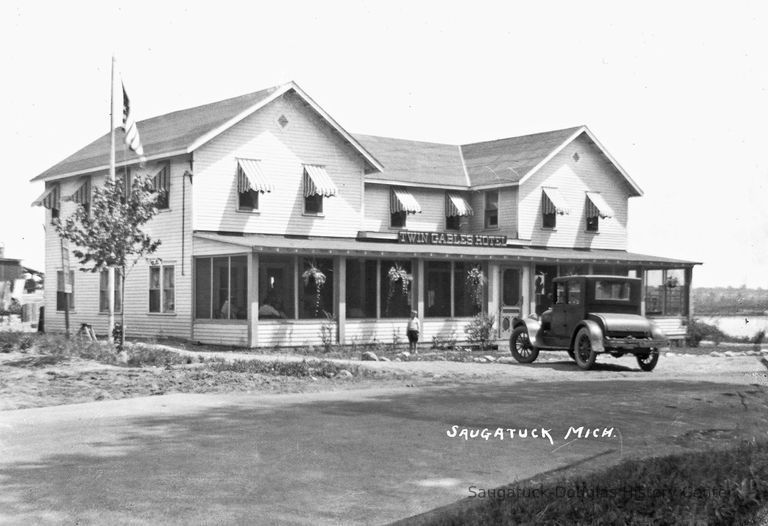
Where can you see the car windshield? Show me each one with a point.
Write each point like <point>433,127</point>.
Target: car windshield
<point>611,290</point>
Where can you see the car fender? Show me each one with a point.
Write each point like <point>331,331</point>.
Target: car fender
<point>532,325</point>
<point>657,333</point>
<point>595,334</point>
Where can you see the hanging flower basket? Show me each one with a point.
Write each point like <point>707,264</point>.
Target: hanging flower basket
<point>316,277</point>
<point>476,283</point>
<point>398,280</point>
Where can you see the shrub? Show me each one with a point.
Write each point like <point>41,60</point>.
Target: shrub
<point>480,330</point>
<point>304,368</point>
<point>758,339</point>
<point>698,330</point>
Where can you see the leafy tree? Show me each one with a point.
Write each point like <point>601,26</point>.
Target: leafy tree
<point>111,234</point>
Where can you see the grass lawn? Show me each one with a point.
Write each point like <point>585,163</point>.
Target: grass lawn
<point>711,487</point>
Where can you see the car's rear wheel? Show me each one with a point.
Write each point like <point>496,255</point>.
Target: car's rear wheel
<point>647,361</point>
<point>520,346</point>
<point>583,352</point>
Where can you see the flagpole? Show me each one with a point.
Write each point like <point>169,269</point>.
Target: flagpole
<point>111,269</point>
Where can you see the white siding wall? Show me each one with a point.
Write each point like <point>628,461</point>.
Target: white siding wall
<point>671,325</point>
<point>230,334</point>
<point>291,333</point>
<point>282,151</point>
<point>166,226</point>
<point>508,209</point>
<point>592,172</point>
<point>431,218</point>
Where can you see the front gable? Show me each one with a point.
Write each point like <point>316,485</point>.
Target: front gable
<point>580,166</point>
<point>289,140</point>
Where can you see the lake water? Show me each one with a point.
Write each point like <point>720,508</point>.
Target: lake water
<point>738,326</point>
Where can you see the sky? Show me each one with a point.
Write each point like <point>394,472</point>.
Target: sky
<point>677,92</point>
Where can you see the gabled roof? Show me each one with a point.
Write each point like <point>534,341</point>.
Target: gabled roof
<point>186,130</point>
<point>478,165</point>
<point>509,160</point>
<point>416,163</point>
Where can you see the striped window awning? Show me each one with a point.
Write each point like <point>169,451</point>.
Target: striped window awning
<point>596,206</point>
<point>50,198</point>
<point>401,200</point>
<point>456,205</point>
<point>318,182</point>
<point>162,179</point>
<point>82,195</point>
<point>553,203</point>
<point>251,177</point>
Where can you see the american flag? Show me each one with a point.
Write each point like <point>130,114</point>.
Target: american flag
<point>129,126</point>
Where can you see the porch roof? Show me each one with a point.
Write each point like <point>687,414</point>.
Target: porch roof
<point>354,247</point>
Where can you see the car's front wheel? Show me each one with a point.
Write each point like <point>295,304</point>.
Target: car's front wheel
<point>647,361</point>
<point>583,352</point>
<point>521,347</point>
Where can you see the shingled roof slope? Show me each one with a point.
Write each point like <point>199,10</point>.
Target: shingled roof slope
<point>165,134</point>
<point>509,160</point>
<point>415,162</point>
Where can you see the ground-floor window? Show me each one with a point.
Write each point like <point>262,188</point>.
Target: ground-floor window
<point>316,288</point>
<point>276,289</point>
<point>665,292</point>
<point>361,288</point>
<point>396,292</point>
<point>162,288</point>
<point>104,291</point>
<point>449,290</point>
<point>221,288</point>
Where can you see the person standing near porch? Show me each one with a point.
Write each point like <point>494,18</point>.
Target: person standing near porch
<point>413,331</point>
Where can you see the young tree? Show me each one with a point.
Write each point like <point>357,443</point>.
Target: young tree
<point>111,234</point>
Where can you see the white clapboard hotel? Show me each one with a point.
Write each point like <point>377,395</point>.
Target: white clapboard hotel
<point>261,188</point>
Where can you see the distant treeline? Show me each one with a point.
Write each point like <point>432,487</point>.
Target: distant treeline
<point>729,300</point>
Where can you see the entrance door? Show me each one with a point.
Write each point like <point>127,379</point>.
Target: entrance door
<point>511,300</point>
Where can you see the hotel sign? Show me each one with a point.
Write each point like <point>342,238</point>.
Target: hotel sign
<point>450,238</point>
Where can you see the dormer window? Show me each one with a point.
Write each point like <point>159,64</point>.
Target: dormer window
<point>317,185</point>
<point>492,209</point>
<point>456,207</point>
<point>401,203</point>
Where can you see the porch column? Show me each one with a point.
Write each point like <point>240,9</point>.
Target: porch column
<point>689,293</point>
<point>494,286</point>
<point>526,290</point>
<point>340,291</point>
<point>531,284</point>
<point>253,299</point>
<point>641,271</point>
<point>418,283</point>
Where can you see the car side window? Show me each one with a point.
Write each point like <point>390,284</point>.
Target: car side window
<point>574,293</point>
<point>560,293</point>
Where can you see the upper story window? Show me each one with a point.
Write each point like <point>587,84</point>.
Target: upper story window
<point>317,185</point>
<point>456,207</point>
<point>491,209</point>
<point>162,183</point>
<point>50,199</point>
<point>82,195</point>
<point>552,205</point>
<point>597,209</point>
<point>401,204</point>
<point>251,182</point>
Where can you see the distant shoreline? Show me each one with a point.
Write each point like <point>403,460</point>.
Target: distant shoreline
<point>730,314</point>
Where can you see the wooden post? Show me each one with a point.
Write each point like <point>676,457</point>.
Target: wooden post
<point>340,297</point>
<point>527,291</point>
<point>689,306</point>
<point>418,282</point>
<point>253,299</point>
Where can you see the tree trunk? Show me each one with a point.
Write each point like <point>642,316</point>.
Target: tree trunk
<point>122,307</point>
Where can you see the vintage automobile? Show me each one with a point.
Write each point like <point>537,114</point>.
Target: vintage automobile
<point>590,315</point>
